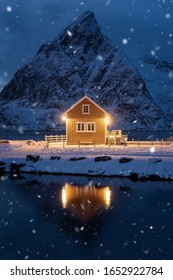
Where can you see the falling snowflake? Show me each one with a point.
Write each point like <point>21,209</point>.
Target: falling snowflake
<point>152,150</point>
<point>125,41</point>
<point>99,57</point>
<point>70,34</point>
<point>170,74</point>
<point>9,9</point>
<point>108,2</point>
<point>7,29</point>
<point>132,30</point>
<point>167,16</point>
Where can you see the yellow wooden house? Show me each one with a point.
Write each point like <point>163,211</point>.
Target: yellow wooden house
<point>86,123</point>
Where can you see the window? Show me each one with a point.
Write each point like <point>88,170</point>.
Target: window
<point>90,126</point>
<point>80,127</point>
<point>85,109</point>
<point>86,127</point>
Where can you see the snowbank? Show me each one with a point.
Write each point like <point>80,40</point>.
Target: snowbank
<point>135,162</point>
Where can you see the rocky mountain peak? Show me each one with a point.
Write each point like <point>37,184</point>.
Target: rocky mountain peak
<point>80,60</point>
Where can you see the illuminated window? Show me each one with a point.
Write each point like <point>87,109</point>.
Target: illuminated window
<point>86,127</point>
<point>80,127</point>
<point>85,109</point>
<point>90,126</point>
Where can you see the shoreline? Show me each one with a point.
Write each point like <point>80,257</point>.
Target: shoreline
<point>136,169</point>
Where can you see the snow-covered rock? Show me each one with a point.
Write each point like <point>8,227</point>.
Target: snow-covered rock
<point>79,61</point>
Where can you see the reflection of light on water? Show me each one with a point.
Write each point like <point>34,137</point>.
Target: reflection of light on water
<point>86,198</point>
<point>107,197</point>
<point>64,198</point>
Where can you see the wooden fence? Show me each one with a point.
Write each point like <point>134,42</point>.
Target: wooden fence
<point>62,139</point>
<point>55,139</point>
<point>148,143</point>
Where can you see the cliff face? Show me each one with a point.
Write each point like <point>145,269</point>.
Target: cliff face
<point>158,76</point>
<point>79,61</point>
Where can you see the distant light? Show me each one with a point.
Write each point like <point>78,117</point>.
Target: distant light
<point>9,9</point>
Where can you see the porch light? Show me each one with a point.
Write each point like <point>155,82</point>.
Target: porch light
<point>107,120</point>
<point>64,118</point>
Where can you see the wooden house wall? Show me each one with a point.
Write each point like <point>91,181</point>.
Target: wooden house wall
<point>96,115</point>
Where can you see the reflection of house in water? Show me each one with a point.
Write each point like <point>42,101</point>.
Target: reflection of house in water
<point>85,201</point>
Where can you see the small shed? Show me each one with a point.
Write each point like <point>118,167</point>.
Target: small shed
<point>86,123</point>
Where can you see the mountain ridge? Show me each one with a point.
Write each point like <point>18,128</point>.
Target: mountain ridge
<point>80,60</point>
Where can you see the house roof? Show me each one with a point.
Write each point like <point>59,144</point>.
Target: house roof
<point>85,97</point>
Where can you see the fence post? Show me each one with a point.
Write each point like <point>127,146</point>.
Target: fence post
<point>138,143</point>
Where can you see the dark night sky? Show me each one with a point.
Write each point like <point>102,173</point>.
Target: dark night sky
<point>146,26</point>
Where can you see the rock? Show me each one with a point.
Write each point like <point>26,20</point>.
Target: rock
<point>102,158</point>
<point>14,167</point>
<point>32,158</point>
<point>2,171</point>
<point>124,160</point>
<point>134,176</point>
<point>154,160</point>
<point>31,142</point>
<point>154,177</point>
<point>55,157</point>
<point>77,158</point>
<point>2,163</point>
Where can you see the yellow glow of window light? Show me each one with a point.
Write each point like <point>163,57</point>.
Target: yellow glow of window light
<point>64,198</point>
<point>107,197</point>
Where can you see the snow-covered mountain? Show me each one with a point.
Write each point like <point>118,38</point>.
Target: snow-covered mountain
<point>158,76</point>
<point>79,61</point>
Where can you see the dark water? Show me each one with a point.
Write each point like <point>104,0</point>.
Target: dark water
<point>40,135</point>
<point>57,217</point>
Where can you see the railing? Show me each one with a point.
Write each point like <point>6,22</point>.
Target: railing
<point>55,138</point>
<point>169,139</point>
<point>116,133</point>
<point>148,143</point>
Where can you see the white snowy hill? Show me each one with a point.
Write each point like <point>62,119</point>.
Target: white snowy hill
<point>79,61</point>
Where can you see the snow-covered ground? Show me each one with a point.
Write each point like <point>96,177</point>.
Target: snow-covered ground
<point>125,160</point>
